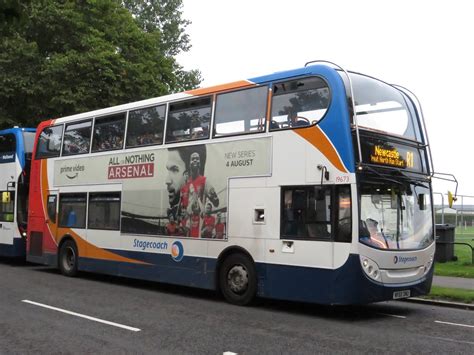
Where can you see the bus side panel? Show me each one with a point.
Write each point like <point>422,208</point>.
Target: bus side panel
<point>190,271</point>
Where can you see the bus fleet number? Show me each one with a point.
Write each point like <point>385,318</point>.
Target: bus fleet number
<point>342,179</point>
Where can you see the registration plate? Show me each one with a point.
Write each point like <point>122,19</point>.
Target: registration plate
<point>401,294</point>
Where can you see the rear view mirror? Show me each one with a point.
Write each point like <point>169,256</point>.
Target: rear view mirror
<point>451,199</point>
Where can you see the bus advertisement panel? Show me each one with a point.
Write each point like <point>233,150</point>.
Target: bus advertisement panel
<point>179,191</point>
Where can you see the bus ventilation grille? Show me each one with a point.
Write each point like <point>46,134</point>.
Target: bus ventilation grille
<point>36,244</point>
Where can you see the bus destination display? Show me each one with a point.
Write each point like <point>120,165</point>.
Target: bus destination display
<point>392,155</point>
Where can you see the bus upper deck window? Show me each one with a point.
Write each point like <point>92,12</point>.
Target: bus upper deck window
<point>145,126</point>
<point>241,111</point>
<point>109,133</point>
<point>49,143</point>
<point>77,138</point>
<point>189,120</point>
<point>299,103</point>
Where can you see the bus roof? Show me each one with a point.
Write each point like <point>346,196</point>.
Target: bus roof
<point>312,69</point>
<point>16,130</point>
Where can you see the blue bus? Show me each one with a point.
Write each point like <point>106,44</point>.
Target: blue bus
<point>16,146</point>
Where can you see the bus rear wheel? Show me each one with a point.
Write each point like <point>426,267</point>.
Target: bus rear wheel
<point>238,279</point>
<point>68,258</point>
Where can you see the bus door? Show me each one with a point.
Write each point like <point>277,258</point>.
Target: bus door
<point>7,215</point>
<point>318,217</point>
<point>50,226</point>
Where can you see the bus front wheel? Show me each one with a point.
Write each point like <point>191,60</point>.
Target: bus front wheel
<point>68,258</point>
<point>238,279</point>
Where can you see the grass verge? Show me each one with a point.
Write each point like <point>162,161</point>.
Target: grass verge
<point>451,294</point>
<point>463,267</point>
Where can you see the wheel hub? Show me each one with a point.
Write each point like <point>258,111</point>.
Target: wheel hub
<point>237,279</point>
<point>70,258</point>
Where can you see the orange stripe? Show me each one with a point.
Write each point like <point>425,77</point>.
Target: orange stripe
<point>316,137</point>
<point>217,88</point>
<point>85,248</point>
<point>269,100</point>
<point>91,251</point>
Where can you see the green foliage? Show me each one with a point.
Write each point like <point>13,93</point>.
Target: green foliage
<point>463,266</point>
<point>163,16</point>
<point>64,57</point>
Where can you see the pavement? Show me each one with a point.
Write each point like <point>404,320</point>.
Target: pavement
<point>453,282</point>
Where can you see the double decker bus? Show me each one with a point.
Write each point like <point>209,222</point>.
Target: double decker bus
<point>311,184</point>
<point>16,146</point>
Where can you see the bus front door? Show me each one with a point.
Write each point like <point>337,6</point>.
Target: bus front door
<point>51,221</point>
<point>8,233</point>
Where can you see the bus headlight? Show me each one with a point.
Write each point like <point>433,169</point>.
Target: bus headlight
<point>370,268</point>
<point>429,264</point>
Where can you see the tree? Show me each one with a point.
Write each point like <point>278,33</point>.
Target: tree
<point>165,17</point>
<point>63,57</point>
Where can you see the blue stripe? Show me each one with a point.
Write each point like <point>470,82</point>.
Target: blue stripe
<point>17,250</point>
<point>346,285</point>
<point>336,123</point>
<point>190,271</point>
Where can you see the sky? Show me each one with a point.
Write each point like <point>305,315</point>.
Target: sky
<point>423,46</point>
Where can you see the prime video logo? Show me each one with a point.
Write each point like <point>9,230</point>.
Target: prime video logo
<point>404,259</point>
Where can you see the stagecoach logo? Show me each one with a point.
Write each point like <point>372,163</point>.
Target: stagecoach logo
<point>131,166</point>
<point>72,172</point>
<point>404,259</point>
<point>177,251</point>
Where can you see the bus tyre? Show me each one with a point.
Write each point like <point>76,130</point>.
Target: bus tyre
<point>68,258</point>
<point>238,279</point>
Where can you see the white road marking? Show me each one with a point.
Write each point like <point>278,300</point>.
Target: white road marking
<point>392,315</point>
<point>229,353</point>
<point>452,340</point>
<point>82,316</point>
<point>459,325</point>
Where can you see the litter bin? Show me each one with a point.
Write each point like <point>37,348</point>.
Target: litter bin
<point>444,242</point>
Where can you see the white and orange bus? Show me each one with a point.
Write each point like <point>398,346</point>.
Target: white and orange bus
<point>311,184</point>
